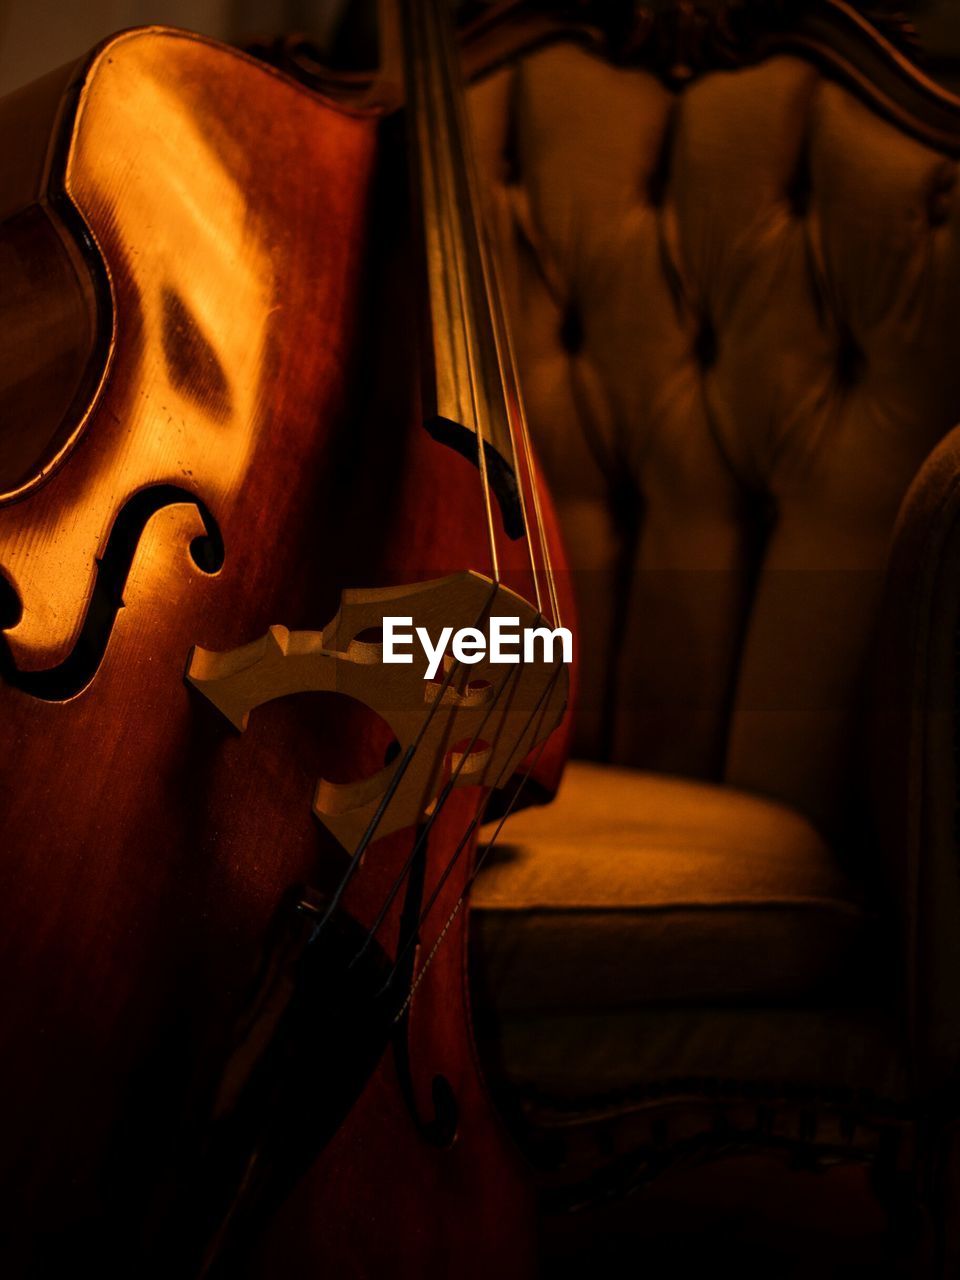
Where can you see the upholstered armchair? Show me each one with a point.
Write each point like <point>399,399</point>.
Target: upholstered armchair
<point>732,246</point>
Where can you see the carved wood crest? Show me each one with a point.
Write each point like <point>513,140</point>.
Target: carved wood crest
<point>683,39</point>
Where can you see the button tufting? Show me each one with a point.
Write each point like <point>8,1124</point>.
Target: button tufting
<point>761,511</point>
<point>798,191</point>
<point>657,187</point>
<point>571,330</point>
<point>705,344</point>
<point>850,359</point>
<point>656,181</point>
<point>940,194</point>
<point>510,164</point>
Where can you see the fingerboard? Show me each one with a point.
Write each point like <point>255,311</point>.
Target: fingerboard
<point>469,380</point>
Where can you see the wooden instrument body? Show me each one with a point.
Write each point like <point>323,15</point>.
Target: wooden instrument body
<point>250,353</point>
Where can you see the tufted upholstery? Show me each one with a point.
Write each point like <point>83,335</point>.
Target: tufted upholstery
<point>734,313</point>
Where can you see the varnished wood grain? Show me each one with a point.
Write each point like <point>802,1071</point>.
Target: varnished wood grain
<point>49,322</point>
<point>261,368</point>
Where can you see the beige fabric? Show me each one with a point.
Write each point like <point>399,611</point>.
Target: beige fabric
<point>735,314</point>
<point>632,888</point>
<point>597,1062</point>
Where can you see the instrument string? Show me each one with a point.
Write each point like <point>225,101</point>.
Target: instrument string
<point>425,829</point>
<point>494,297</point>
<point>417,94</point>
<point>454,858</point>
<point>524,431</point>
<point>437,48</point>
<point>434,87</point>
<point>403,764</point>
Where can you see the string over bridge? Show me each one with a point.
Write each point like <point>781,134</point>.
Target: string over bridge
<point>481,702</point>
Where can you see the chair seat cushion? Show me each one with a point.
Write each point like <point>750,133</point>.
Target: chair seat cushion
<point>634,888</point>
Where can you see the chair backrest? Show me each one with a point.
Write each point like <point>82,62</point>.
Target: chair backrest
<point>735,302</point>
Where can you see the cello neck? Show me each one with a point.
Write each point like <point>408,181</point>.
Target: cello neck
<point>470,393</point>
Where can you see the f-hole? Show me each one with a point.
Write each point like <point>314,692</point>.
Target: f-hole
<point>77,670</point>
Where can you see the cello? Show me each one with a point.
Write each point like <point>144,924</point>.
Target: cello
<point>248,409</point>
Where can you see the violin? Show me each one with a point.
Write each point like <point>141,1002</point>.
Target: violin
<point>257,407</point>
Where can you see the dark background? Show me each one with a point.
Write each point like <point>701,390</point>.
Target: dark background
<point>37,35</point>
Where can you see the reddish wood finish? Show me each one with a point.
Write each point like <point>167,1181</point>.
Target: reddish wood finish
<point>259,358</point>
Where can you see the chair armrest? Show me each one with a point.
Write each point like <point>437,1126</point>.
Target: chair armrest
<point>914,763</point>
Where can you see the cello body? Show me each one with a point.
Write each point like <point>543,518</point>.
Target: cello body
<point>210,425</point>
